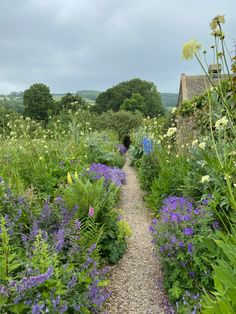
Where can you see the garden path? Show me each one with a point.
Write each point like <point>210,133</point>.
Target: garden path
<point>136,281</point>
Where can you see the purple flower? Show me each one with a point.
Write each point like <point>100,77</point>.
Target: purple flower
<point>59,240</point>
<point>186,217</point>
<point>3,291</point>
<point>63,308</point>
<point>77,224</point>
<point>121,148</point>
<point>152,229</point>
<point>37,309</point>
<point>154,221</point>
<point>181,244</point>
<point>56,302</point>
<point>192,274</point>
<point>91,211</point>
<point>190,248</point>
<point>33,281</point>
<point>72,282</point>
<point>162,248</point>
<point>115,175</point>
<point>92,248</point>
<point>216,225</point>
<point>188,231</point>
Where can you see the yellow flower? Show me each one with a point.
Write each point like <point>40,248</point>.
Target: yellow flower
<point>171,131</point>
<point>190,49</point>
<point>194,142</point>
<point>221,123</point>
<point>202,145</point>
<point>205,179</point>
<point>69,178</point>
<point>76,175</point>
<point>219,19</point>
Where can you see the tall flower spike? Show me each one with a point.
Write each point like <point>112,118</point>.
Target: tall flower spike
<point>190,49</point>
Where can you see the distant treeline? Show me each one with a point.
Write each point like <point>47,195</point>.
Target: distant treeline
<point>169,99</point>
<point>14,101</point>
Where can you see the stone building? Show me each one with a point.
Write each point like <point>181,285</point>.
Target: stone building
<point>196,85</point>
<point>190,86</point>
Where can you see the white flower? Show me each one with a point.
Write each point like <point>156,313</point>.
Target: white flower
<point>171,131</point>
<point>221,123</point>
<point>202,145</point>
<point>173,110</point>
<point>194,142</point>
<point>205,179</point>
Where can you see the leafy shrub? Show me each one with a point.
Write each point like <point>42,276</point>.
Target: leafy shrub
<point>169,179</point>
<point>121,122</point>
<point>222,299</point>
<point>148,169</point>
<point>102,197</point>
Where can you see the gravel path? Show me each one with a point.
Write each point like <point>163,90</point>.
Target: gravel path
<point>136,281</point>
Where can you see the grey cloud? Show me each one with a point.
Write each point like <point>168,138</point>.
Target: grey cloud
<point>79,44</point>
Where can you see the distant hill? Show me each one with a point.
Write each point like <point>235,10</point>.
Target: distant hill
<point>169,100</point>
<point>90,94</point>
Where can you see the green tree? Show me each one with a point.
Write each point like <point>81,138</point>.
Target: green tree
<point>114,97</point>
<point>73,102</point>
<point>121,122</point>
<point>38,102</point>
<point>136,102</point>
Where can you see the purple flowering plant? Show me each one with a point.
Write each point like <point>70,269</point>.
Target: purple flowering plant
<point>121,149</point>
<point>179,234</point>
<point>48,262</point>
<point>110,174</point>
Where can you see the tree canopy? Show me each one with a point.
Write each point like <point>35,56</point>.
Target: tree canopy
<point>73,102</point>
<point>37,102</point>
<point>114,97</point>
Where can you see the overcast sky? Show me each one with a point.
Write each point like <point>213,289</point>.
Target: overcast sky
<point>95,44</point>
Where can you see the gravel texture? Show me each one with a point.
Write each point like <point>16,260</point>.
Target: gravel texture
<point>136,281</point>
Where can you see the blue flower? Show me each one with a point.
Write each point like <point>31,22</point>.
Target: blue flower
<point>147,145</point>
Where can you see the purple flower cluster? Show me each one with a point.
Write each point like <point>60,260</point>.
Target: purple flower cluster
<point>175,228</point>
<point>110,174</point>
<point>121,148</point>
<point>33,281</point>
<point>3,291</point>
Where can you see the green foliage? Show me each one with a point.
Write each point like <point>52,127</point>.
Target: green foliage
<point>114,97</point>
<point>223,298</point>
<point>113,240</point>
<point>72,102</point>
<point>121,122</point>
<point>38,102</point>
<point>135,102</point>
<point>148,169</point>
